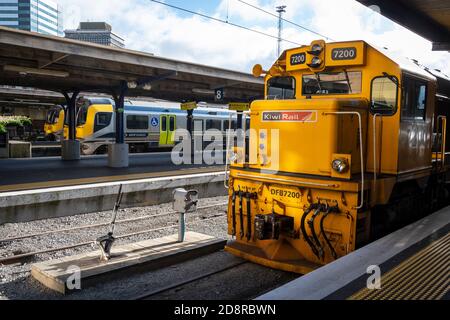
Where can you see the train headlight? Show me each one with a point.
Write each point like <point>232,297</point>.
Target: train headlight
<point>340,165</point>
<point>315,62</point>
<point>316,49</point>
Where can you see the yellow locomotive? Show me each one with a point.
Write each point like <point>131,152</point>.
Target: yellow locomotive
<point>347,145</point>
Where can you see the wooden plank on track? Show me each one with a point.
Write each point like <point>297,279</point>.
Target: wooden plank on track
<point>144,255</point>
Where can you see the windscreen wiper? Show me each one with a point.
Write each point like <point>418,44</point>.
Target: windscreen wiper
<point>391,77</point>
<point>348,81</point>
<point>318,81</point>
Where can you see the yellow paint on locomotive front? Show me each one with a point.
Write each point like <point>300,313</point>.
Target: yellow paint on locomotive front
<point>309,145</point>
<point>291,184</point>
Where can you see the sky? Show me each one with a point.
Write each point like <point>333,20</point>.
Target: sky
<point>155,28</point>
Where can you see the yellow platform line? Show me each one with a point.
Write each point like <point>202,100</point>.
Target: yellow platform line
<point>423,276</point>
<point>103,179</point>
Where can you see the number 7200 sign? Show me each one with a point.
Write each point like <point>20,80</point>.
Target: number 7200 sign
<point>343,53</point>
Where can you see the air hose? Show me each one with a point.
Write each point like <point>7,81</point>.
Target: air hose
<point>333,252</point>
<point>241,214</point>
<point>233,213</point>
<point>305,234</point>
<point>249,216</point>
<point>313,231</point>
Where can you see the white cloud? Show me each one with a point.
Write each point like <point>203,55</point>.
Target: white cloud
<point>349,20</point>
<point>151,27</point>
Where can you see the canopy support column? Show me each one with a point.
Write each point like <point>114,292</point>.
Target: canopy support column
<point>70,149</point>
<point>118,153</point>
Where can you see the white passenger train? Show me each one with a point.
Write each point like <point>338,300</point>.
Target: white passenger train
<point>148,125</point>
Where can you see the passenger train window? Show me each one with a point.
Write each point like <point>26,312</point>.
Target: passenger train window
<point>136,122</point>
<point>421,92</point>
<point>384,93</point>
<point>198,125</point>
<point>281,88</point>
<point>164,123</point>
<point>102,120</point>
<point>52,116</point>
<point>226,124</point>
<point>82,115</point>
<point>213,124</point>
<point>414,98</point>
<point>172,124</point>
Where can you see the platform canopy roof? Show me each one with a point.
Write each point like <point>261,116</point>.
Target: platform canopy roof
<point>57,64</point>
<point>428,18</point>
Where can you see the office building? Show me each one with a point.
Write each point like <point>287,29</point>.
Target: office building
<point>96,32</point>
<point>43,16</point>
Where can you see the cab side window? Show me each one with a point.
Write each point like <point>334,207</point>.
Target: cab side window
<point>414,99</point>
<point>281,88</point>
<point>384,94</point>
<point>102,120</point>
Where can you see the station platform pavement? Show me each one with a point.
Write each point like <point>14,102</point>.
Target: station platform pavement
<point>414,264</point>
<point>39,173</point>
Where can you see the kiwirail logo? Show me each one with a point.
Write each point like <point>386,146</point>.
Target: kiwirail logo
<point>212,147</point>
<point>289,116</point>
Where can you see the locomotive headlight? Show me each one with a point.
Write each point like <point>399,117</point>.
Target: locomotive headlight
<point>340,165</point>
<point>315,62</point>
<point>316,49</point>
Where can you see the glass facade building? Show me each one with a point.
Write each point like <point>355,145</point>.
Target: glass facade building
<point>43,16</point>
<point>96,32</point>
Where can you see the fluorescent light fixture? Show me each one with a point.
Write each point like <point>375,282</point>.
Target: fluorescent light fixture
<point>147,87</point>
<point>41,72</point>
<point>26,100</point>
<point>132,85</point>
<point>203,91</point>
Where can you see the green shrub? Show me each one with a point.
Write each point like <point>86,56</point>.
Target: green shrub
<point>19,121</point>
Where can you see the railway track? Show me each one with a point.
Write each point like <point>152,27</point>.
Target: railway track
<point>180,280</point>
<point>148,295</point>
<point>20,258</point>
<point>242,280</point>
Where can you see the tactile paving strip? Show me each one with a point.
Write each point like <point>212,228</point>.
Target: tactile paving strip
<point>424,276</point>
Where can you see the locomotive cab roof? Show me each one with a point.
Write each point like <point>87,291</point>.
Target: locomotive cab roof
<point>328,57</point>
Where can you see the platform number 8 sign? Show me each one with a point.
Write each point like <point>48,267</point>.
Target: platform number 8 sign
<point>218,94</point>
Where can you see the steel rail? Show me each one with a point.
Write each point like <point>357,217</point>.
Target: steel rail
<point>188,281</point>
<point>20,257</point>
<point>44,233</point>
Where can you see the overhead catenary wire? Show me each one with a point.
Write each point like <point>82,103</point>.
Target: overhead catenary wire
<point>224,21</point>
<point>285,20</point>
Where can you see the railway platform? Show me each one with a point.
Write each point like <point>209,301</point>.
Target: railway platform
<point>41,188</point>
<point>49,172</point>
<point>412,263</point>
